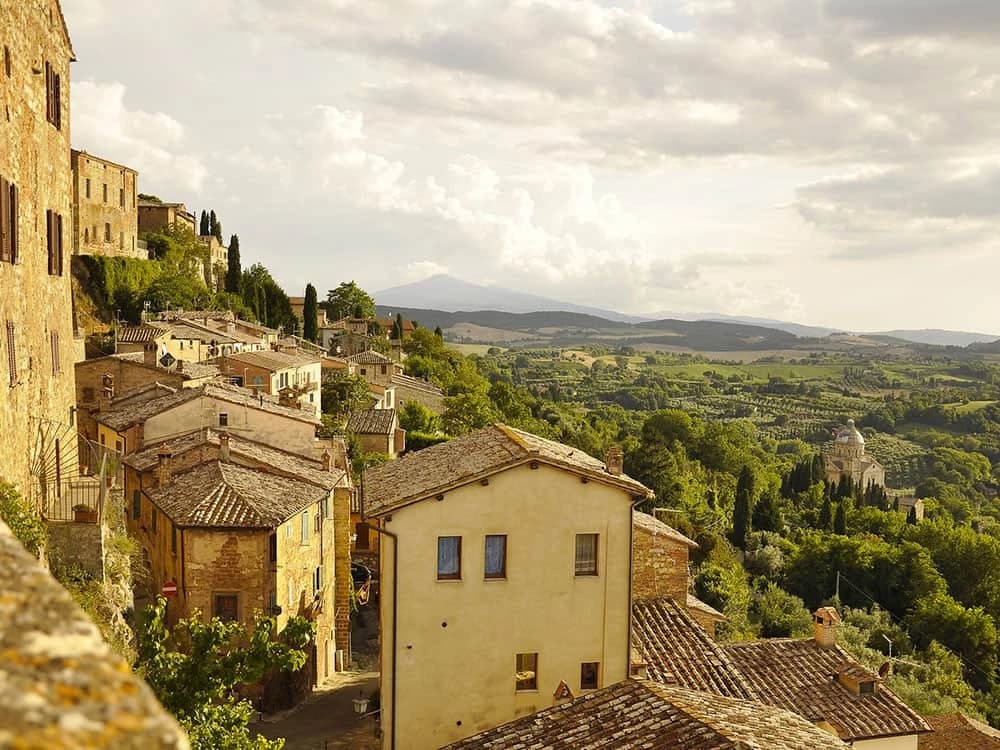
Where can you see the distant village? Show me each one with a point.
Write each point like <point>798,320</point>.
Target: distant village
<point>512,593</point>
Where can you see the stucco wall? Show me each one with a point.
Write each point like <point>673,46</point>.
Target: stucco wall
<point>457,640</point>
<point>908,742</point>
<point>35,157</point>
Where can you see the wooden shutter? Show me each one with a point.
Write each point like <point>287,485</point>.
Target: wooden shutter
<point>12,227</point>
<point>4,220</point>
<point>11,353</point>
<point>57,97</point>
<point>49,240</point>
<point>48,92</point>
<point>59,244</point>
<point>54,345</point>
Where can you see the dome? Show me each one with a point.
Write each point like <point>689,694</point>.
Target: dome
<point>850,434</point>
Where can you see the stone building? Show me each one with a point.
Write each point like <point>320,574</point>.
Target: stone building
<point>506,539</point>
<point>378,431</point>
<point>420,391</point>
<point>847,458</point>
<point>217,262</point>
<point>155,215</point>
<point>37,348</point>
<point>106,207</point>
<point>293,376</point>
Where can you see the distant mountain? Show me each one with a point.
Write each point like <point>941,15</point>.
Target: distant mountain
<point>443,292</point>
<point>939,337</point>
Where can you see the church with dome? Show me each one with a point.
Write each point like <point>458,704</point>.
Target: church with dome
<point>848,458</point>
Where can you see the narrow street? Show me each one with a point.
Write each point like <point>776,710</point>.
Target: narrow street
<point>326,720</point>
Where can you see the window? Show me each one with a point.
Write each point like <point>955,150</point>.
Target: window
<point>223,419</point>
<point>360,536</point>
<point>383,369</point>
<point>588,675</point>
<point>526,672</point>
<point>121,197</point>
<point>54,350</point>
<point>225,607</point>
<point>496,556</point>
<point>53,227</point>
<point>118,446</point>
<point>866,688</point>
<point>173,539</point>
<point>152,519</point>
<point>11,353</point>
<point>121,240</point>
<point>272,548</point>
<point>136,505</point>
<point>304,531</point>
<point>288,530</point>
<point>87,187</point>
<point>6,60</point>
<point>449,558</point>
<point>8,221</point>
<point>86,235</point>
<point>53,96</point>
<point>107,232</point>
<point>318,579</point>
<point>325,507</point>
<point>105,196</point>
<point>586,554</point>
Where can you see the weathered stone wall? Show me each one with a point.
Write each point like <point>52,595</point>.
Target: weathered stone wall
<point>406,394</point>
<point>659,566</point>
<point>36,408</point>
<point>79,544</point>
<point>61,686</point>
<point>106,219</point>
<point>223,562</point>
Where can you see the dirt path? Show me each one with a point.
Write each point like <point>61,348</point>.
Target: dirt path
<point>326,719</point>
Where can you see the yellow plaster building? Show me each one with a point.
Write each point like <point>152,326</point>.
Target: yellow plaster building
<point>504,570</point>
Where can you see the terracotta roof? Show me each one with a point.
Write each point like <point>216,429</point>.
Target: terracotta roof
<point>189,370</point>
<point>641,714</point>
<point>181,314</point>
<point>372,421</point>
<point>958,731</point>
<point>300,467</point>
<point>678,651</point>
<point>370,357</point>
<point>272,360</point>
<point>140,334</point>
<point>226,495</point>
<point>130,414</point>
<point>694,602</point>
<point>800,675</point>
<point>652,524</point>
<point>416,383</point>
<point>429,471</point>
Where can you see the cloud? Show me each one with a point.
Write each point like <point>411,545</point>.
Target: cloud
<point>151,142</point>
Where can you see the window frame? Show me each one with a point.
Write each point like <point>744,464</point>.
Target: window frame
<point>526,685</point>
<point>223,419</point>
<point>136,505</point>
<point>449,576</point>
<point>502,573</point>
<point>234,595</point>
<point>579,572</point>
<point>596,666</point>
<point>304,527</point>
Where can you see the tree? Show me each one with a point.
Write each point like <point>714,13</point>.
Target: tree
<point>204,229</point>
<point>197,668</point>
<point>782,615</point>
<point>342,394</point>
<point>840,519</point>
<point>22,519</point>
<point>825,521</point>
<point>911,516</point>
<point>310,324</point>
<point>415,417</point>
<point>438,332</point>
<point>214,227</point>
<point>349,300</point>
<point>767,512</point>
<point>234,270</point>
<point>466,412</point>
<point>741,509</point>
<point>397,327</point>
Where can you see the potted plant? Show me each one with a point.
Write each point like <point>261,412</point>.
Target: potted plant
<point>84,514</point>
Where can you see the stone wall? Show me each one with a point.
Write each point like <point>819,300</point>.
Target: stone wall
<point>36,322</point>
<point>79,544</point>
<point>105,219</point>
<point>659,566</point>
<point>405,393</point>
<point>61,686</point>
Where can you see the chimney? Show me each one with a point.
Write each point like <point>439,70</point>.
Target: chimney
<point>615,460</point>
<point>224,446</point>
<point>149,354</point>
<point>140,435</point>
<point>825,621</point>
<point>163,469</point>
<point>327,461</point>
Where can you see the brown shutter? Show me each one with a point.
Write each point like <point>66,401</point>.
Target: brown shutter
<point>59,243</point>
<point>4,220</point>
<point>48,92</point>
<point>58,102</point>
<point>11,353</point>
<point>49,240</point>
<point>12,228</point>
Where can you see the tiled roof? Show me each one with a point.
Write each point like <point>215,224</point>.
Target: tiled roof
<point>189,370</point>
<point>221,494</point>
<point>140,334</point>
<point>307,469</point>
<point>678,651</point>
<point>655,526</point>
<point>272,360</point>
<point>958,731</point>
<point>694,602</point>
<point>415,383</point>
<point>370,357</point>
<point>431,470</point>
<point>196,314</point>
<point>640,714</point>
<point>801,675</point>
<point>130,414</point>
<point>372,421</point>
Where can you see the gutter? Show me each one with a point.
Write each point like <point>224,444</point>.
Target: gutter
<point>631,541</point>
<point>395,604</point>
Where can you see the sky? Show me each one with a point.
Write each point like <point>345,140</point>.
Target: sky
<point>833,162</point>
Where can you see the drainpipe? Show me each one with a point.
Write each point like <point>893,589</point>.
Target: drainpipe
<point>631,541</point>
<point>395,601</point>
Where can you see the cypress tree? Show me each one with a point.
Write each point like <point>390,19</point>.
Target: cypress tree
<point>310,314</point>
<point>438,332</point>
<point>397,327</point>
<point>911,517</point>
<point>767,512</point>
<point>741,509</point>
<point>826,514</point>
<point>234,272</point>
<point>203,228</point>
<point>840,520</point>
<point>818,470</point>
<point>214,227</point>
